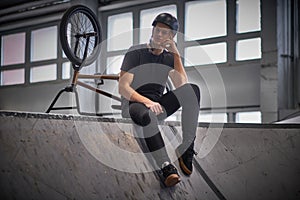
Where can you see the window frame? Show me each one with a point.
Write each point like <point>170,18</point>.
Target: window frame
<point>27,65</point>
<point>231,38</point>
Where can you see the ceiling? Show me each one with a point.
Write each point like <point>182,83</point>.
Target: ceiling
<point>10,3</point>
<point>4,4</point>
<point>13,10</point>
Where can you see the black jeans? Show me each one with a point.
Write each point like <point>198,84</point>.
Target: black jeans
<point>187,97</point>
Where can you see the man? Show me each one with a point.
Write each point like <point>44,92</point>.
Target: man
<point>144,73</point>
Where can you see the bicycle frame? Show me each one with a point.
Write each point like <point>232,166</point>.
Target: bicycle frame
<point>77,76</point>
<point>76,81</point>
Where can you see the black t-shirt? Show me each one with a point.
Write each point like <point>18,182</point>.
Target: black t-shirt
<point>150,71</point>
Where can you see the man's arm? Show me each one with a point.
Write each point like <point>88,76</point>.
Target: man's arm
<point>178,74</point>
<point>130,94</point>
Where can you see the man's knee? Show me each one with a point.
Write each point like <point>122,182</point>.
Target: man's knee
<point>139,114</point>
<point>196,91</point>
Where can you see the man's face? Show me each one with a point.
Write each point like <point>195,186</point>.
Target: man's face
<point>161,33</point>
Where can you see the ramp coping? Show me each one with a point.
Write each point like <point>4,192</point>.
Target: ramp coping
<point>40,115</point>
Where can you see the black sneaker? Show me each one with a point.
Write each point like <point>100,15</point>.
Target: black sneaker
<point>186,159</point>
<point>170,174</point>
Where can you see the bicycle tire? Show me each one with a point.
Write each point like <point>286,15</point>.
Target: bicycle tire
<point>80,20</point>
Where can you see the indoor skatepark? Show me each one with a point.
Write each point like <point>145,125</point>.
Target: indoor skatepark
<point>51,156</point>
<point>61,133</point>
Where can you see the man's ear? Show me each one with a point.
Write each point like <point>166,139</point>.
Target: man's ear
<point>172,35</point>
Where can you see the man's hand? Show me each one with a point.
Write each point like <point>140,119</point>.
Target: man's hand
<point>170,45</point>
<point>154,107</point>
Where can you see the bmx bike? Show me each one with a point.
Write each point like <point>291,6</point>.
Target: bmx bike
<point>80,37</point>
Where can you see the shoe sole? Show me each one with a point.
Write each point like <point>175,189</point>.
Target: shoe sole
<point>172,180</point>
<point>183,168</point>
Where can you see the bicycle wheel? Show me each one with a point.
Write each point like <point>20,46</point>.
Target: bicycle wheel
<point>80,35</point>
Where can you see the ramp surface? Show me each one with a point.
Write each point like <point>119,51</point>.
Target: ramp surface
<point>70,157</point>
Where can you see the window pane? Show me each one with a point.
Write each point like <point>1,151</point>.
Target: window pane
<point>213,117</point>
<point>66,70</point>
<point>248,117</point>
<point>248,49</point>
<point>247,15</point>
<point>205,19</point>
<point>147,17</point>
<point>205,54</point>
<point>120,34</point>
<point>43,73</point>
<point>89,69</point>
<point>11,77</point>
<point>13,49</point>
<point>114,64</point>
<point>44,44</point>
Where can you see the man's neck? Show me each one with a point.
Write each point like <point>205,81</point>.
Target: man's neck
<point>155,51</point>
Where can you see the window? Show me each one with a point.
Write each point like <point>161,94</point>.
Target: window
<point>119,38</point>
<point>32,56</point>
<point>43,47</point>
<point>66,70</point>
<point>213,118</point>
<point>147,16</point>
<point>207,20</point>
<point>247,15</point>
<point>12,77</point>
<point>248,20</point>
<point>12,55</point>
<point>205,54</point>
<point>43,73</point>
<point>248,49</point>
<point>248,117</point>
<point>44,44</point>
<point>13,49</point>
<point>89,69</point>
<point>114,64</point>
<point>207,16</point>
<point>198,27</point>
<point>119,32</point>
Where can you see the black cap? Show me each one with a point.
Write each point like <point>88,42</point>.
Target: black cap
<point>168,20</point>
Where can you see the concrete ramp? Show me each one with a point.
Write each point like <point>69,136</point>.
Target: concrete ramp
<point>71,157</point>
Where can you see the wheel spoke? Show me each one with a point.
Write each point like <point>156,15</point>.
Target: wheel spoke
<point>81,27</point>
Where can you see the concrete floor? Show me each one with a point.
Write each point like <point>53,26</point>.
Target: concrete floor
<point>50,156</point>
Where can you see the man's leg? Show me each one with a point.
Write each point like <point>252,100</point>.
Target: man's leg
<point>188,97</point>
<point>142,116</point>
<point>145,118</point>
